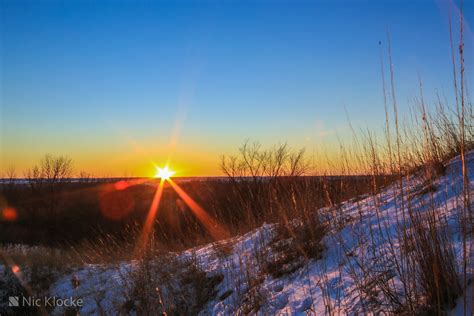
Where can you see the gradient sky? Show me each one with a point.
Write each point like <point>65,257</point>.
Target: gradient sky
<point>117,85</point>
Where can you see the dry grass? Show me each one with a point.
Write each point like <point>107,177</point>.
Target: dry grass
<point>417,272</point>
<point>160,283</point>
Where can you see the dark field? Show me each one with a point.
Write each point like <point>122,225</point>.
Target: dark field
<point>71,213</point>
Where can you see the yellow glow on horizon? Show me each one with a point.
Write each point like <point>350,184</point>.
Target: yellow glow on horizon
<point>164,173</point>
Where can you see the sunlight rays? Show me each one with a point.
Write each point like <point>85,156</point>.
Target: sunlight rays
<point>148,225</point>
<point>213,227</point>
<point>215,230</point>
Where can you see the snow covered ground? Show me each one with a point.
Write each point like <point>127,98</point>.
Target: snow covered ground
<point>317,286</point>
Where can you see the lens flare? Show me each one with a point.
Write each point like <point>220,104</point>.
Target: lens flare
<point>216,230</point>
<point>148,225</point>
<point>164,173</point>
<point>9,214</point>
<point>15,269</point>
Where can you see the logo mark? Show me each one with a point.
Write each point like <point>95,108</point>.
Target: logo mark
<point>13,301</point>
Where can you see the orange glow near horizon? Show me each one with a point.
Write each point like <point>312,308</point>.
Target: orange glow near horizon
<point>122,162</point>
<point>188,162</point>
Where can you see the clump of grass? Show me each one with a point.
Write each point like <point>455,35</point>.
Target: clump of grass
<point>293,245</point>
<point>40,266</point>
<point>161,283</point>
<point>434,257</point>
<point>423,270</point>
<point>107,248</point>
<point>30,271</point>
<point>255,297</point>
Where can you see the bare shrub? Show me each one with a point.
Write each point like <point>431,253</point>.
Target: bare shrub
<point>293,245</point>
<point>161,283</point>
<point>50,171</point>
<point>44,180</point>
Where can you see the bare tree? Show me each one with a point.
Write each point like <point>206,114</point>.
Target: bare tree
<point>51,170</point>
<point>260,176</point>
<point>85,177</point>
<point>256,162</point>
<point>8,185</point>
<point>45,178</point>
<point>10,175</point>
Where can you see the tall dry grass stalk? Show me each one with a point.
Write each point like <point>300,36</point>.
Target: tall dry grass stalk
<point>272,185</point>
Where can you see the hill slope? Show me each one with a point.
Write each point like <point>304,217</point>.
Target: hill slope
<point>360,269</point>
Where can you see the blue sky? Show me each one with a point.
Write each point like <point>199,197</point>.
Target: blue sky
<point>107,81</point>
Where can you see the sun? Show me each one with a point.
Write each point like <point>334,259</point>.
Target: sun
<point>164,173</point>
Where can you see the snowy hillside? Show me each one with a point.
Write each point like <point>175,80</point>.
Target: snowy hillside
<point>361,239</point>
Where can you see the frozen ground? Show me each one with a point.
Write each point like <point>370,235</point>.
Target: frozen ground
<point>317,286</point>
